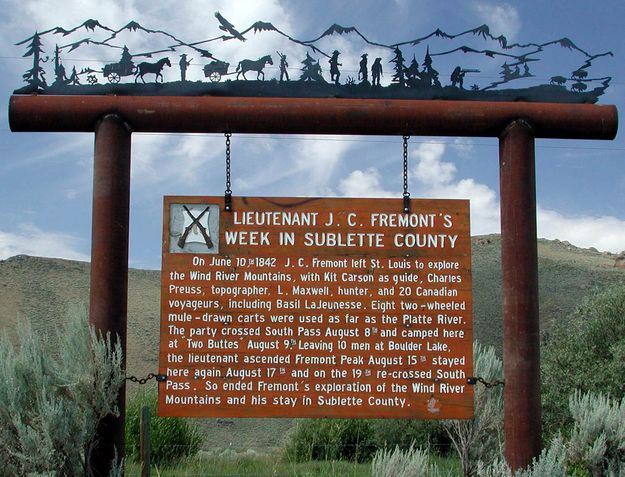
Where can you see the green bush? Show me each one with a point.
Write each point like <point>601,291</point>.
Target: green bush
<point>586,353</point>
<point>171,438</point>
<point>407,433</point>
<point>331,439</point>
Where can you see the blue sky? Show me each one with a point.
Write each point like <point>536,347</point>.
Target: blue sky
<point>46,179</point>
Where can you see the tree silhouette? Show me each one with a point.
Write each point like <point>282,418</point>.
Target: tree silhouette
<point>311,71</point>
<point>412,72</point>
<point>400,68</point>
<point>59,69</point>
<point>429,74</point>
<point>73,79</point>
<point>506,72</point>
<point>36,75</point>
<point>126,59</point>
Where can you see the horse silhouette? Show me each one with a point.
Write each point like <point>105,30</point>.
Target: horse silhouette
<point>153,68</point>
<point>253,65</point>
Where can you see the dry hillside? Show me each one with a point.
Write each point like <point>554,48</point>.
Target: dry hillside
<point>45,290</point>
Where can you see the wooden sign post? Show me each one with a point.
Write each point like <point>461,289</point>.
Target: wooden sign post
<point>516,125</point>
<point>316,308</point>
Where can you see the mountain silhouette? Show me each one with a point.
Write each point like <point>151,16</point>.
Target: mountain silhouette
<point>464,51</point>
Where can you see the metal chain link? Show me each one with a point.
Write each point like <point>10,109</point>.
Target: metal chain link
<point>488,384</point>
<point>159,378</point>
<point>228,192</point>
<point>406,193</point>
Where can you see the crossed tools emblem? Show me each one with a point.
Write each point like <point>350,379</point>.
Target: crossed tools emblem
<point>195,222</point>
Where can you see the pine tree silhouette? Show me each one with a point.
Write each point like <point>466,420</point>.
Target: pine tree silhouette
<point>506,72</point>
<point>400,68</point>
<point>59,69</point>
<point>311,71</point>
<point>429,74</point>
<point>74,79</point>
<point>36,75</point>
<point>412,72</point>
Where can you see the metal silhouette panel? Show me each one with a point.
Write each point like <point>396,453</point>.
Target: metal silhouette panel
<point>469,65</point>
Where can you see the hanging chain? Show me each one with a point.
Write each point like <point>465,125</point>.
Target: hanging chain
<point>159,378</point>
<point>406,193</point>
<point>228,192</point>
<point>488,384</point>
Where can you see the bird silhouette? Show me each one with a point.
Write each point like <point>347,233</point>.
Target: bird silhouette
<point>228,27</point>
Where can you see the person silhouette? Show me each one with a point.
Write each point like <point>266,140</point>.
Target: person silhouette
<point>283,67</point>
<point>334,67</point>
<point>376,71</point>
<point>457,77</point>
<point>362,73</point>
<point>183,66</point>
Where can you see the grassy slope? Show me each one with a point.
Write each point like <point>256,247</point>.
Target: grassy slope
<point>566,274</point>
<point>44,289</point>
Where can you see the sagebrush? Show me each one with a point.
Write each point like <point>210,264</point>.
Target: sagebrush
<point>54,392</point>
<point>413,462</point>
<point>480,439</point>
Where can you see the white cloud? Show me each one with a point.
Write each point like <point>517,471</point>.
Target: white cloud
<point>484,204</point>
<point>603,233</point>
<point>363,184</point>
<point>436,178</point>
<point>30,240</point>
<point>305,167</point>
<point>503,19</point>
<point>464,146</point>
<point>72,148</point>
<point>316,161</point>
<point>431,177</point>
<point>71,194</point>
<point>173,159</point>
<point>430,169</point>
<point>148,154</point>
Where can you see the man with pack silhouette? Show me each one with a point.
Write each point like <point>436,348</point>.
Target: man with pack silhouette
<point>362,73</point>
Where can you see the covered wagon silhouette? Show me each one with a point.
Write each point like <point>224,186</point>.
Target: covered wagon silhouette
<point>215,70</point>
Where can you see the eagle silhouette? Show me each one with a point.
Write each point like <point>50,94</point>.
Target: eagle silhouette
<point>228,27</point>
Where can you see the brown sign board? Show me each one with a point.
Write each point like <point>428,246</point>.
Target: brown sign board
<point>306,307</point>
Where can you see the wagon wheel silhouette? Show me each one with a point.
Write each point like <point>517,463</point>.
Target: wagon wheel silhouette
<point>113,78</point>
<point>215,76</point>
